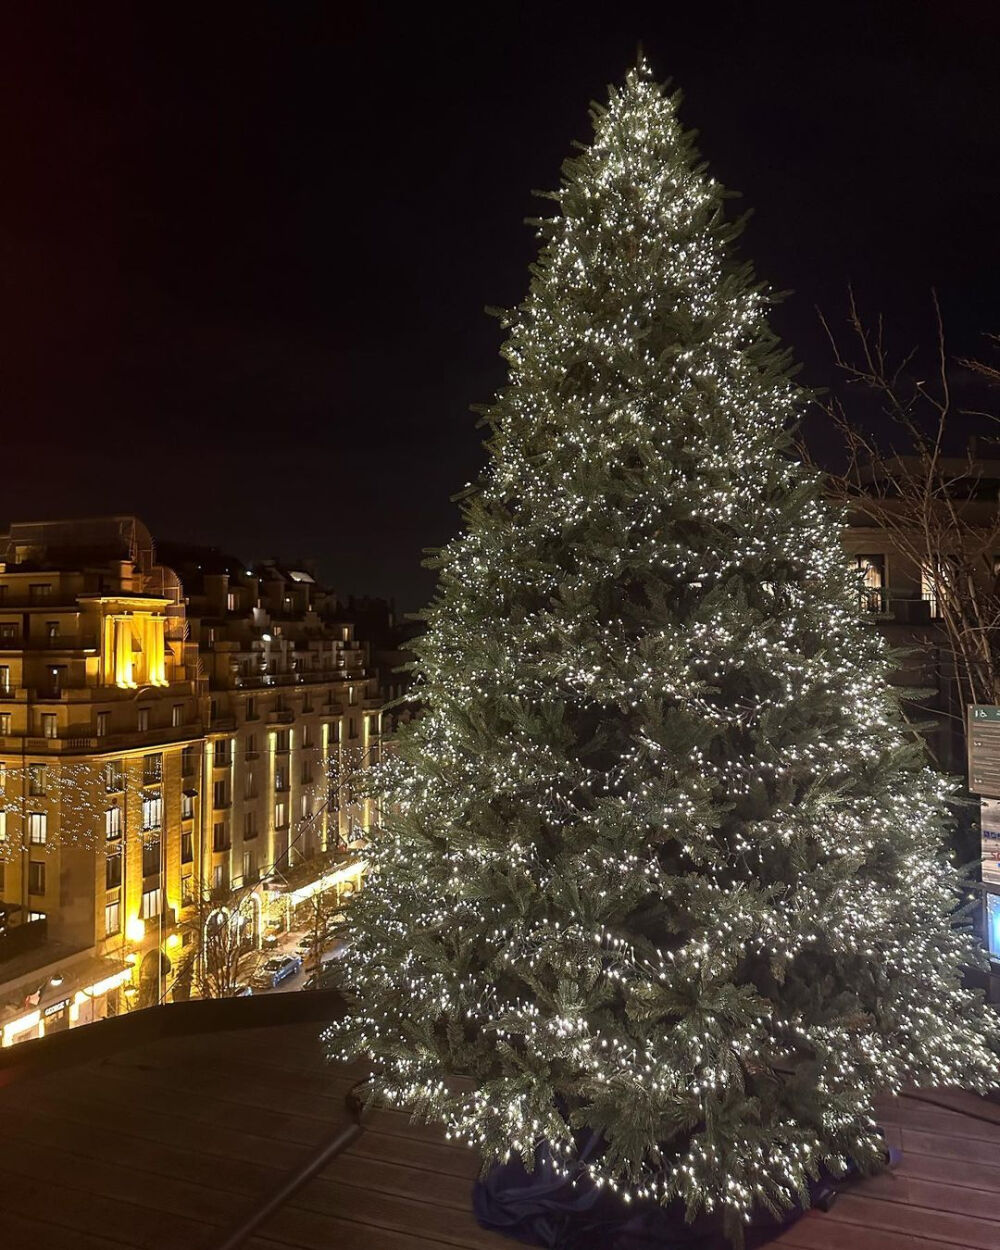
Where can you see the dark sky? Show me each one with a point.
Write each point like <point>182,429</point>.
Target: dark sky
<point>246,248</point>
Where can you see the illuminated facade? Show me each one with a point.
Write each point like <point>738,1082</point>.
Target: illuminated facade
<point>164,743</point>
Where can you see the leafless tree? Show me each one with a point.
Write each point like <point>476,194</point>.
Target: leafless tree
<point>937,508</point>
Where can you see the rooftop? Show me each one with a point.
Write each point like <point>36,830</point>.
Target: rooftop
<point>119,1135</point>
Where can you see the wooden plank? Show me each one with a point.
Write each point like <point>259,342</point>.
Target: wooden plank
<point>165,1127</point>
<point>377,1176</point>
<point>963,1102</point>
<point>129,1097</point>
<point>915,1192</point>
<point>815,1231</point>
<point>937,1144</point>
<point>306,1230</point>
<point>95,1215</point>
<point>425,1155</point>
<point>126,1185</point>
<point>94,1141</point>
<point>952,1172</point>
<point>445,1226</point>
<point>907,1114</point>
<point>24,1233</point>
<point>892,1217</point>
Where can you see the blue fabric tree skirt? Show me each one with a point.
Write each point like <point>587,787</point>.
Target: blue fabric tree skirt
<point>541,1208</point>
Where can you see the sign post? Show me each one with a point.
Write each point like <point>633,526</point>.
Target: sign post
<point>984,779</point>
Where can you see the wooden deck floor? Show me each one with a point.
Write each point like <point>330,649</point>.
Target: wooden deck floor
<point>167,1146</point>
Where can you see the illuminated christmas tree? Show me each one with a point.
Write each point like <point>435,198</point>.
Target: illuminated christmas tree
<point>660,859</point>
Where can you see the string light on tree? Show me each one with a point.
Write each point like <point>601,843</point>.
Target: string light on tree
<point>660,858</point>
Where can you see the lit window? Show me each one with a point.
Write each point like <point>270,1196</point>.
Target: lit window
<point>152,812</point>
<point>872,592</point>
<point>151,902</point>
<point>143,719</point>
<point>103,720</point>
<point>50,725</point>
<point>177,715</point>
<point>38,828</point>
<point>36,779</point>
<point>4,724</point>
<point>113,823</point>
<point>4,679</point>
<point>187,805</point>
<point>280,815</point>
<point>112,918</point>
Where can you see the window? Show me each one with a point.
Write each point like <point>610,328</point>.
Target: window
<point>307,737</point>
<point>177,715</point>
<point>113,869</point>
<point>8,632</point>
<point>112,918</point>
<point>251,746</point>
<point>3,824</point>
<point>231,601</point>
<point>36,877</point>
<point>152,812</point>
<point>249,866</point>
<point>220,836</point>
<point>51,629</point>
<point>280,779</point>
<point>187,805</point>
<point>113,823</point>
<point>143,720</point>
<point>152,769</point>
<point>187,762</point>
<point>249,826</point>
<point>350,694</point>
<point>220,793</point>
<point>151,857</point>
<point>306,807</point>
<point>219,877</point>
<point>151,903</point>
<point>50,725</point>
<point>103,720</point>
<point>38,828</point>
<point>2,881</point>
<point>36,779</point>
<point>187,848</point>
<point>114,777</point>
<point>929,590</point>
<point>251,708</point>
<point>213,710</point>
<point>222,753</point>
<point>4,679</point>
<point>352,728</point>
<point>250,784</point>
<point>872,571</point>
<point>187,890</point>
<point>280,815</point>
<point>307,774</point>
<point>4,723</point>
<point>39,592</point>
<point>281,740</point>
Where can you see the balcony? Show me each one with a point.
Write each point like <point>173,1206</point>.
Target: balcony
<point>284,717</point>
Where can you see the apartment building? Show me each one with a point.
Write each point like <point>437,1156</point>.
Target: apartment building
<point>163,745</point>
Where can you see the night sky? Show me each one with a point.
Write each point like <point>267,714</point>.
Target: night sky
<point>246,249</point>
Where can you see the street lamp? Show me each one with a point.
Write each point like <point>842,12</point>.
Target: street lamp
<point>135,929</point>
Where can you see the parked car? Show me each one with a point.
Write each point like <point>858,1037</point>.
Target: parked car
<point>276,970</point>
<point>242,991</point>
